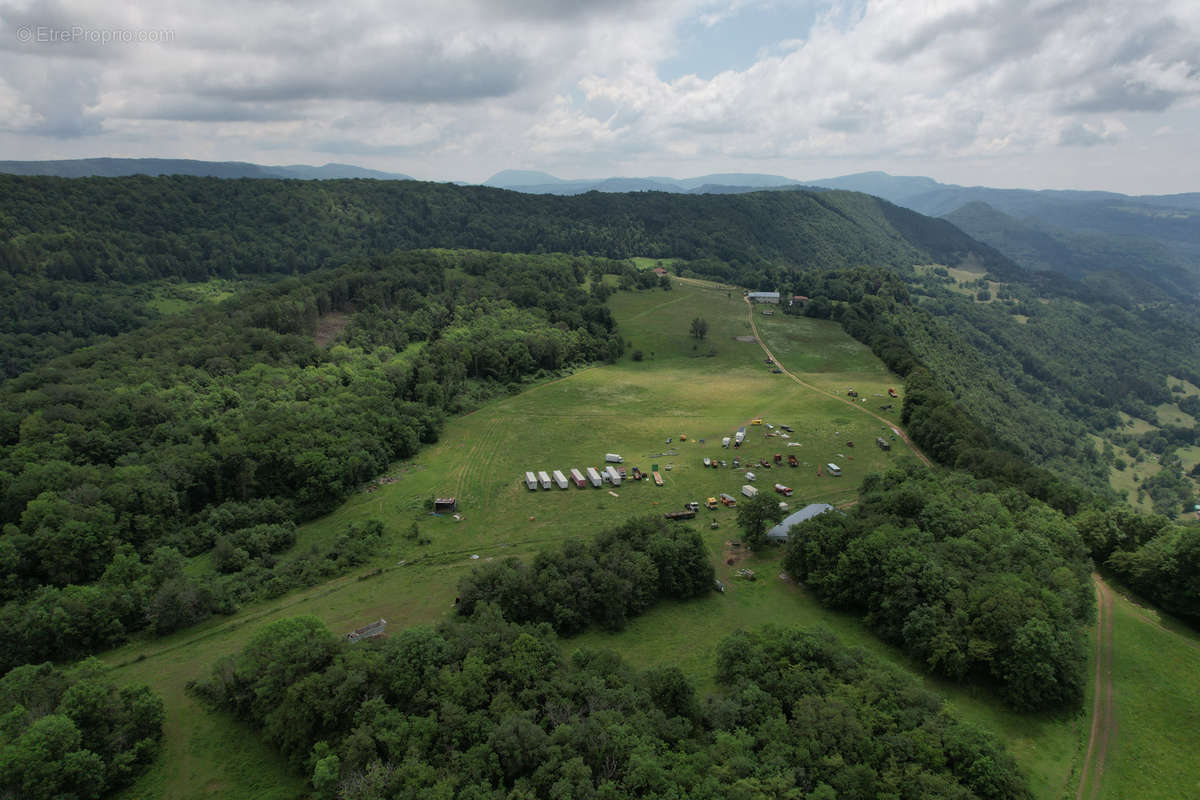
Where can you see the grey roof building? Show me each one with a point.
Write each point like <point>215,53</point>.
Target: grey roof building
<point>780,532</point>
<point>763,297</point>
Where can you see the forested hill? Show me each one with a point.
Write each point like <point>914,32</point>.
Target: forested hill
<point>137,228</point>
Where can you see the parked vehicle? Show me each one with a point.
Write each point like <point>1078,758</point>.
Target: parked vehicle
<point>749,491</point>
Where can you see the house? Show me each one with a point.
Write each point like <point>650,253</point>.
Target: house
<point>763,297</point>
<point>780,532</point>
<point>445,505</point>
<point>660,271</point>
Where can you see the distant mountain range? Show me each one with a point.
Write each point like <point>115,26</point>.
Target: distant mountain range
<point>118,167</point>
<point>534,182</point>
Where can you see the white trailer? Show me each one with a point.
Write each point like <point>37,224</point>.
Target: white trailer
<point>613,458</point>
<point>749,491</point>
<point>725,442</point>
<point>614,477</point>
<point>740,436</point>
<point>594,477</point>
<point>750,476</point>
<point>544,479</point>
<point>560,479</point>
<point>577,476</point>
<point>834,469</point>
<point>531,480</point>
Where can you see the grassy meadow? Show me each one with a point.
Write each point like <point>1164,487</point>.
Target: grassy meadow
<point>704,389</point>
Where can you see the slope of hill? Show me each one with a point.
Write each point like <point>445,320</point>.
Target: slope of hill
<point>1157,271</point>
<point>118,167</point>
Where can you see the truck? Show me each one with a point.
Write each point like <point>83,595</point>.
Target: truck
<point>559,479</point>
<point>692,506</point>
<point>544,479</point>
<point>614,477</point>
<point>728,500</point>
<point>749,491</point>
<point>883,443</point>
<point>531,480</point>
<point>786,491</point>
<point>710,503</point>
<point>613,458</point>
<point>739,437</point>
<point>725,441</point>
<point>757,421</point>
<point>834,469</point>
<point>594,477</point>
<point>577,476</point>
<point>750,476</point>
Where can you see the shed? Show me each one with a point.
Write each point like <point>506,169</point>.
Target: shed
<point>445,504</point>
<point>763,297</point>
<point>780,532</point>
<point>559,479</point>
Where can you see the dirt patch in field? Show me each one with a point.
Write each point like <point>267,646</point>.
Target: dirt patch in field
<point>329,326</point>
<point>734,553</point>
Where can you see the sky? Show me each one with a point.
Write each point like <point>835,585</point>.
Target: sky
<point>1090,94</point>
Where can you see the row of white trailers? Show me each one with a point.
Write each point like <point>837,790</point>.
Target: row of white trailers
<point>548,480</point>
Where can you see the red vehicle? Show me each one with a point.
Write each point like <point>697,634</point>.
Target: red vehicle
<point>892,392</point>
<point>778,458</point>
<point>637,474</point>
<point>765,464</point>
<point>786,491</point>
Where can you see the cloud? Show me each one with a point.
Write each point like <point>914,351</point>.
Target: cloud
<point>462,88</point>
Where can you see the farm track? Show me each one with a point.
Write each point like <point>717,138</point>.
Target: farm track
<point>1104,725</point>
<point>894,426</point>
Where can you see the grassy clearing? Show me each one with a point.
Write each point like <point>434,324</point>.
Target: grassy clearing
<point>1136,425</point>
<point>1188,388</point>
<point>173,298</point>
<point>1172,414</point>
<point>641,262</point>
<point>1156,672</point>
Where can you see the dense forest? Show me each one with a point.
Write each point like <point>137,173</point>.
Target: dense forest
<point>480,707</point>
<point>972,583</point>
<point>71,733</point>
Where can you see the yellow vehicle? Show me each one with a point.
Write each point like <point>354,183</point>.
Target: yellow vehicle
<point>756,422</point>
<point>710,503</point>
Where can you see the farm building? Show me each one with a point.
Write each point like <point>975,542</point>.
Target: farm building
<point>614,477</point>
<point>763,297</point>
<point>559,479</point>
<point>577,476</point>
<point>594,477</point>
<point>780,532</point>
<point>660,271</point>
<point>445,505</point>
<point>544,479</point>
<point>371,631</point>
<point>531,480</point>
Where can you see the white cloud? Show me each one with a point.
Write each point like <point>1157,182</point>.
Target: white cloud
<point>460,89</point>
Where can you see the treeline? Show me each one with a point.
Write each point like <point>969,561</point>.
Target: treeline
<point>619,574</point>
<point>481,707</point>
<point>973,582</point>
<point>137,441</point>
<point>1155,557</point>
<point>71,734</point>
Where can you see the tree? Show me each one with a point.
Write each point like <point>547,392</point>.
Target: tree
<point>754,515</point>
<point>699,328</point>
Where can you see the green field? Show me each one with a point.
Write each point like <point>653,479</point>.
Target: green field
<point>170,298</point>
<point>704,389</point>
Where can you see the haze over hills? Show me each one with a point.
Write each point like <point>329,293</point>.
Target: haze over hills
<point>120,167</point>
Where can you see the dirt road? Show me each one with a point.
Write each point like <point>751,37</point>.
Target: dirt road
<point>857,407</point>
<point>1104,724</point>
